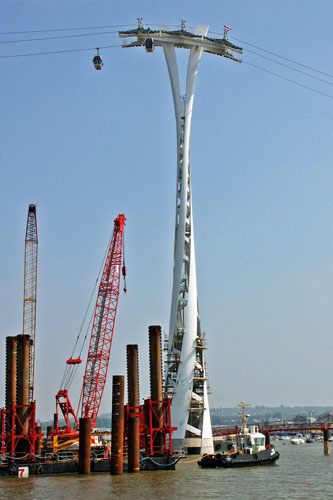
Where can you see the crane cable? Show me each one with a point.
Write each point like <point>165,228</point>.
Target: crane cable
<point>124,271</point>
<point>70,369</point>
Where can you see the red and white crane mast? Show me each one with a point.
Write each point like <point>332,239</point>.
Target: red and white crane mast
<point>101,335</point>
<point>103,325</point>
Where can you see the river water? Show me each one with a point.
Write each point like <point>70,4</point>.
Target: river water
<point>302,472</point>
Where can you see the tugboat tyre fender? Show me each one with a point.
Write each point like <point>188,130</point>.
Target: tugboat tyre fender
<point>40,469</point>
<point>13,469</point>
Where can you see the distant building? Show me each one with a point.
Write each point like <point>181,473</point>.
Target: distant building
<point>300,419</point>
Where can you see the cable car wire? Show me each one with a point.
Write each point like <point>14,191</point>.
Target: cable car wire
<point>119,45</point>
<point>128,25</point>
<point>274,54</point>
<point>289,67</point>
<point>66,29</point>
<point>58,37</point>
<point>285,58</point>
<point>288,79</point>
<point>65,51</point>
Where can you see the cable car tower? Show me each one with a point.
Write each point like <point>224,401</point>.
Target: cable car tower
<point>186,378</point>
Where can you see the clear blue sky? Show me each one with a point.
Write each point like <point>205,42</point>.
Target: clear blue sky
<point>86,145</point>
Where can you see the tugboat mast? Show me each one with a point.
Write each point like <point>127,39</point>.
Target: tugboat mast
<point>245,417</point>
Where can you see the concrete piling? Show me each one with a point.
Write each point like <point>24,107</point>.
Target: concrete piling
<point>117,440</point>
<point>84,445</point>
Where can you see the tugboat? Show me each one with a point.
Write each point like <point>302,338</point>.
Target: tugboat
<point>248,448</point>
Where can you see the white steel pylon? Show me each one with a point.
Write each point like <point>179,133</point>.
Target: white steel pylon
<point>186,379</point>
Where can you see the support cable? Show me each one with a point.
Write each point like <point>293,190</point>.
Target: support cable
<point>70,370</point>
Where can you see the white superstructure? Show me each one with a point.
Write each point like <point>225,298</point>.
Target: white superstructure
<point>186,378</point>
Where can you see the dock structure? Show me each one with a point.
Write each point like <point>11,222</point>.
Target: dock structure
<point>186,380</point>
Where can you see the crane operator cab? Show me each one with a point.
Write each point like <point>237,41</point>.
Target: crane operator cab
<point>98,61</point>
<point>149,44</point>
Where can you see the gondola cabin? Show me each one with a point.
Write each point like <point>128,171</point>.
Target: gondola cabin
<point>98,62</point>
<point>149,44</point>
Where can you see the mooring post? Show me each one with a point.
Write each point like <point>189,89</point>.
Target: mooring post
<point>39,440</point>
<point>84,445</point>
<point>326,444</point>
<point>117,439</point>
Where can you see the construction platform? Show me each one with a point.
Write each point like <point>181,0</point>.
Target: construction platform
<point>72,466</point>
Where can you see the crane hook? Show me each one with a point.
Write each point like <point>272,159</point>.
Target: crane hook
<point>124,276</point>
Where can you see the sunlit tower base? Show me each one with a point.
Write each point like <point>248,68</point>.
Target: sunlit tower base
<point>186,377</point>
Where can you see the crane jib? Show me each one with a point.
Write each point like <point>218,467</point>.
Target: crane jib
<point>103,326</point>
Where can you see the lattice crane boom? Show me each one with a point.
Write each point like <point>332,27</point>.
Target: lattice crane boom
<point>103,325</point>
<point>30,289</point>
<point>100,339</point>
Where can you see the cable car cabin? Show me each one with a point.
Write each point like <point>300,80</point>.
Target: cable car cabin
<point>98,62</point>
<point>149,44</point>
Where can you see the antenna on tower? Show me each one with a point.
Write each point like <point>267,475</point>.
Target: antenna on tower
<point>226,32</point>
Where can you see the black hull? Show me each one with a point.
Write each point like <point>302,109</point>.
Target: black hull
<point>236,460</point>
<point>48,468</point>
<point>71,466</point>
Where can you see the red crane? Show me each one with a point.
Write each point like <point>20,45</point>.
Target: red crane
<point>101,334</point>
